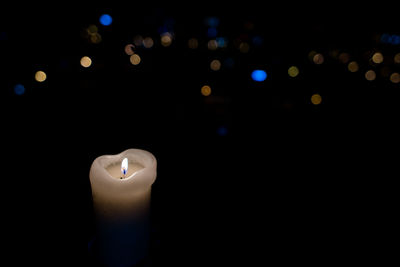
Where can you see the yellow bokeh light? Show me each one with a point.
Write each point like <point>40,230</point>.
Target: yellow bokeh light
<point>40,76</point>
<point>344,57</point>
<point>215,65</point>
<point>377,58</point>
<point>293,71</point>
<point>166,39</point>
<point>86,61</point>
<point>138,40</point>
<point>311,55</point>
<point>318,58</point>
<point>92,29</point>
<point>212,45</point>
<point>135,59</point>
<point>370,75</point>
<point>193,43</point>
<point>148,42</point>
<point>95,38</point>
<point>353,66</point>
<point>397,58</point>
<point>395,77</point>
<point>206,90</point>
<point>316,99</point>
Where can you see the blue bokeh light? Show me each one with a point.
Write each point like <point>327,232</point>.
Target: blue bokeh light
<point>105,19</point>
<point>19,89</point>
<point>222,131</point>
<point>259,75</point>
<point>212,32</point>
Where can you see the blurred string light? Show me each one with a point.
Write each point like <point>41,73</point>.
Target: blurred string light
<point>166,39</point>
<point>395,77</point>
<point>135,59</point>
<point>215,65</point>
<point>129,49</point>
<point>212,21</point>
<point>370,75</point>
<point>259,75</point>
<point>212,45</point>
<point>392,39</point>
<point>40,76</point>
<point>353,66</point>
<point>148,42</point>
<point>105,20</point>
<point>318,58</point>
<point>212,32</point>
<point>19,89</point>
<point>222,131</point>
<point>206,90</point>
<point>396,58</point>
<point>86,62</point>
<point>293,71</point>
<point>377,58</point>
<point>344,57</point>
<point>193,43</point>
<point>316,99</point>
<point>93,34</point>
<point>138,40</point>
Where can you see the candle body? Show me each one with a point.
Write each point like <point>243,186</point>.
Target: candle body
<point>122,206</point>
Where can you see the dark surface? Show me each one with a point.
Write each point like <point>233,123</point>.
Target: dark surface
<point>290,182</point>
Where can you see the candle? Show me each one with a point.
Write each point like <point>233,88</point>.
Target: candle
<point>121,190</point>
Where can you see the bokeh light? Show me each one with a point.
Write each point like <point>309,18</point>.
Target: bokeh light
<point>86,62</point>
<point>377,58</point>
<point>344,57</point>
<point>19,89</point>
<point>105,20</point>
<point>148,42</point>
<point>92,29</point>
<point>135,59</point>
<point>353,66</point>
<point>397,58</point>
<point>40,76</point>
<point>129,49</point>
<point>316,99</point>
<point>212,44</point>
<point>293,71</point>
<point>95,38</point>
<point>166,39</point>
<point>222,131</point>
<point>318,59</point>
<point>370,75</point>
<point>206,90</point>
<point>215,65</point>
<point>259,75</point>
<point>395,77</point>
<point>138,40</point>
<point>193,43</point>
<point>212,32</point>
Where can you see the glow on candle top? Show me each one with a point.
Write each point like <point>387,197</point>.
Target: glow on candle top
<point>121,171</point>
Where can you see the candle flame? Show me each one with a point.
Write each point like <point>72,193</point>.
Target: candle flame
<point>124,167</point>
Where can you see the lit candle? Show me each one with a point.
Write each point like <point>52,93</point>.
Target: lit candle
<point>121,190</point>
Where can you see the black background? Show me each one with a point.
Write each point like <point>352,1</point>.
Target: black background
<point>290,182</point>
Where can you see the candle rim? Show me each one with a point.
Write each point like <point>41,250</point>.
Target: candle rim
<point>149,162</point>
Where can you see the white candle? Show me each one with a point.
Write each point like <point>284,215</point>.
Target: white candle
<point>121,190</point>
